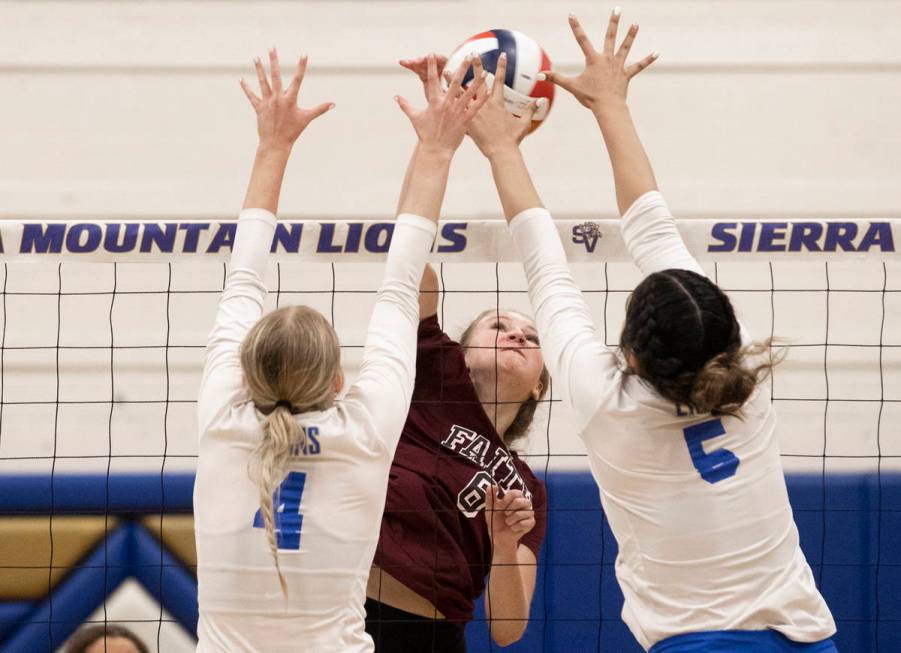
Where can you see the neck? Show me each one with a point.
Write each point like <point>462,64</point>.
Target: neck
<point>500,409</point>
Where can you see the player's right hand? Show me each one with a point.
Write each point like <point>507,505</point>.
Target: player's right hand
<point>496,128</point>
<point>447,115</point>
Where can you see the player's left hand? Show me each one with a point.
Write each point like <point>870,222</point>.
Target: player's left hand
<point>494,127</point>
<point>508,517</point>
<point>606,76</point>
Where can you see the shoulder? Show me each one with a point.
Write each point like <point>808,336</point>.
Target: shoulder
<point>439,359</point>
<point>430,332</point>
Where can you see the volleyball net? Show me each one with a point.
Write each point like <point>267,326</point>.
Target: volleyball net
<point>103,331</point>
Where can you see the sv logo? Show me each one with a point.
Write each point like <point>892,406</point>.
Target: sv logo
<point>588,234</point>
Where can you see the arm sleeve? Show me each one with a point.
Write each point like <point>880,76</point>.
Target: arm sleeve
<point>654,242</point>
<point>385,383</point>
<point>572,349</point>
<point>652,239</point>
<point>240,306</point>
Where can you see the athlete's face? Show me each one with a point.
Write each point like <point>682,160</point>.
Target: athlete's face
<point>507,342</point>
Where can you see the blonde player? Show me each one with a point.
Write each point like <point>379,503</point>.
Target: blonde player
<point>680,437</point>
<point>291,480</point>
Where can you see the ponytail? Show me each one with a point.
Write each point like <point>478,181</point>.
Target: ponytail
<point>726,382</point>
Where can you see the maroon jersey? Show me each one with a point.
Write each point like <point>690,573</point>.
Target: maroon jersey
<point>434,538</point>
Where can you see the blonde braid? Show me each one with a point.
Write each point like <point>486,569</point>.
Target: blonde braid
<point>280,433</point>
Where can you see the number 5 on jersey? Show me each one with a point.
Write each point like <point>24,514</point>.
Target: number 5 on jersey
<point>717,465</point>
<point>288,520</point>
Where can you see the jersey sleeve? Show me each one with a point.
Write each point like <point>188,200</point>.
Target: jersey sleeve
<point>240,306</point>
<point>654,242</point>
<point>652,239</point>
<point>440,362</point>
<point>385,384</point>
<point>572,349</point>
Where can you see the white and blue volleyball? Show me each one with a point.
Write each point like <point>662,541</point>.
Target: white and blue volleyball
<point>525,59</point>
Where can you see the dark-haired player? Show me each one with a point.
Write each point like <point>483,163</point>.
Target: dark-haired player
<point>680,438</point>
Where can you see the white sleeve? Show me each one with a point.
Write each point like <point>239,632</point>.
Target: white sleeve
<point>574,353</point>
<point>384,386</point>
<point>240,307</point>
<point>654,242</point>
<point>652,239</point>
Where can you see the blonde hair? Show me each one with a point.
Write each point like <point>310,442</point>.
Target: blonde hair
<point>291,360</point>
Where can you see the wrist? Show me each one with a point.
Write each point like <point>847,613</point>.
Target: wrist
<point>606,108</point>
<point>274,149</point>
<point>502,151</point>
<point>436,152</point>
<point>504,551</point>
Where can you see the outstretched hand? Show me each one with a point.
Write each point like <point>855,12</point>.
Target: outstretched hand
<point>279,120</point>
<point>495,127</point>
<point>447,114</point>
<point>606,76</point>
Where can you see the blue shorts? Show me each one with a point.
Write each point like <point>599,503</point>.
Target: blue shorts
<point>739,641</point>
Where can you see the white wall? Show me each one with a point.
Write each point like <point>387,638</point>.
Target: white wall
<point>757,109</point>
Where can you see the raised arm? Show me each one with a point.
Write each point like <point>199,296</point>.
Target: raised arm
<point>648,227</point>
<point>571,347</point>
<point>428,293</point>
<point>279,123</point>
<point>602,87</point>
<point>385,383</point>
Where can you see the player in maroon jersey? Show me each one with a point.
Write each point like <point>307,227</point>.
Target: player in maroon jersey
<point>461,505</point>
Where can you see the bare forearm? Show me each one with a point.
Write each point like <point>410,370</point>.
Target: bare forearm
<point>507,598</point>
<point>266,178</point>
<point>632,172</point>
<point>428,293</point>
<point>514,184</point>
<point>425,182</point>
<point>404,189</point>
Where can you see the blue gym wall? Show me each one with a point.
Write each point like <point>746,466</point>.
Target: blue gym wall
<point>855,544</point>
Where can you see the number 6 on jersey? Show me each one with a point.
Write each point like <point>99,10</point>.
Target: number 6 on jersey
<point>717,465</point>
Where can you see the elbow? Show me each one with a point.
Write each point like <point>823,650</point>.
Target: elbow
<point>508,633</point>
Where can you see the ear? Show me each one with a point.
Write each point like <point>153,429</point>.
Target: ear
<point>339,381</point>
<point>536,391</point>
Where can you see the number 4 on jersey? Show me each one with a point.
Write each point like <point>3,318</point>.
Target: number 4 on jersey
<point>717,465</point>
<point>288,520</point>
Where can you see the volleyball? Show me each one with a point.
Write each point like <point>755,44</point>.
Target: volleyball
<point>525,59</point>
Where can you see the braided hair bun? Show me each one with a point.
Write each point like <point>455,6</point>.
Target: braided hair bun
<point>685,341</point>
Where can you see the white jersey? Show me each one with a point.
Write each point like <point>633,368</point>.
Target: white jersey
<point>331,501</point>
<point>698,504</point>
